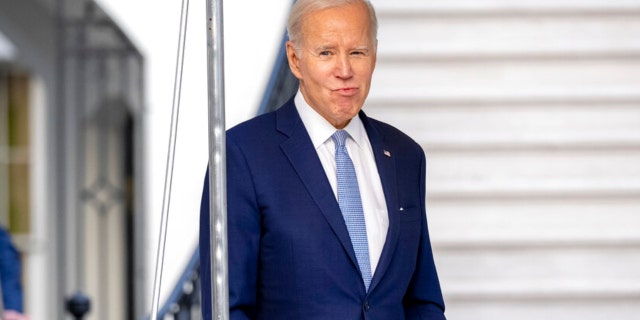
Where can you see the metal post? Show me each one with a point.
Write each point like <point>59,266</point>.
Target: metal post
<point>217,163</point>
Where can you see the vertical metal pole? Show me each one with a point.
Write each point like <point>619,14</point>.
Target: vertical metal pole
<point>58,153</point>
<point>217,163</point>
<point>4,164</point>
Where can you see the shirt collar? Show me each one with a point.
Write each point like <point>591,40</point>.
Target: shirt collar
<point>320,130</point>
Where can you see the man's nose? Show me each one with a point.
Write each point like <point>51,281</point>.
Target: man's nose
<point>343,67</point>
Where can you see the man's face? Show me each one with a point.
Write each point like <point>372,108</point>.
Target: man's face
<point>335,61</point>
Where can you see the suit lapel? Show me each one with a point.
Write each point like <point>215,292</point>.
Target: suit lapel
<point>386,164</point>
<point>298,148</point>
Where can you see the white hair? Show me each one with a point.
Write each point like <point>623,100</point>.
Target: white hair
<point>303,7</point>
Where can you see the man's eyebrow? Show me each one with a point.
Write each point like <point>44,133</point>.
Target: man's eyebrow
<point>323,48</point>
<point>361,48</point>
<point>331,47</point>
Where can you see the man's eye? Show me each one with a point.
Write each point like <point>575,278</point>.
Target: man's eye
<point>358,53</point>
<point>325,53</point>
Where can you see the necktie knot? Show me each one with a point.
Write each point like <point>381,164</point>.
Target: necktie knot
<point>339,137</point>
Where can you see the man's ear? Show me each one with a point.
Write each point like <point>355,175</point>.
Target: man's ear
<point>294,60</point>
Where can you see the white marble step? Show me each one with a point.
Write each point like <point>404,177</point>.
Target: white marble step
<point>541,271</point>
<point>529,172</point>
<point>561,221</point>
<point>511,37</point>
<point>465,7</point>
<point>522,81</point>
<point>518,283</point>
<point>549,309</point>
<point>512,126</point>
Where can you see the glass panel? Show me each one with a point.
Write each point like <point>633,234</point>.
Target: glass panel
<point>14,151</point>
<point>19,128</point>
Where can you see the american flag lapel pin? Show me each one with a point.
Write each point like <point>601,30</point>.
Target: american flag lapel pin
<point>386,153</point>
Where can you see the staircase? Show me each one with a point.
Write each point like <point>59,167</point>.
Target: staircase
<point>529,112</point>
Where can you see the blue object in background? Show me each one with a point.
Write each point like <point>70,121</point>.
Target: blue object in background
<point>10,273</point>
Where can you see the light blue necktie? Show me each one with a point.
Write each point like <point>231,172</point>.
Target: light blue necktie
<point>351,205</point>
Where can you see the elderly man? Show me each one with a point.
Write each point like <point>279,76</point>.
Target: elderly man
<point>326,207</point>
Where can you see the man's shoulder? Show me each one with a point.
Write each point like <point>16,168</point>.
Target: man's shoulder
<point>264,123</point>
<point>259,124</point>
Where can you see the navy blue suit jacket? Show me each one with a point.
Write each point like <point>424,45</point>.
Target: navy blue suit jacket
<point>290,256</point>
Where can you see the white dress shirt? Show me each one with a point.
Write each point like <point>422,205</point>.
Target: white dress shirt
<point>359,149</point>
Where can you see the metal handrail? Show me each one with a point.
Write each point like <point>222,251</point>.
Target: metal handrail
<point>186,289</point>
<point>281,86</point>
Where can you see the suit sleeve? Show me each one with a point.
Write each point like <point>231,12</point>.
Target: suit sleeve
<point>203,247</point>
<point>243,229</point>
<point>244,233</point>
<point>423,300</point>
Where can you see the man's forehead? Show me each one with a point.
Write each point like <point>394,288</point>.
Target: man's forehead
<point>331,37</point>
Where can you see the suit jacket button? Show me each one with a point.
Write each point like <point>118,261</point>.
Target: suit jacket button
<point>366,306</point>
